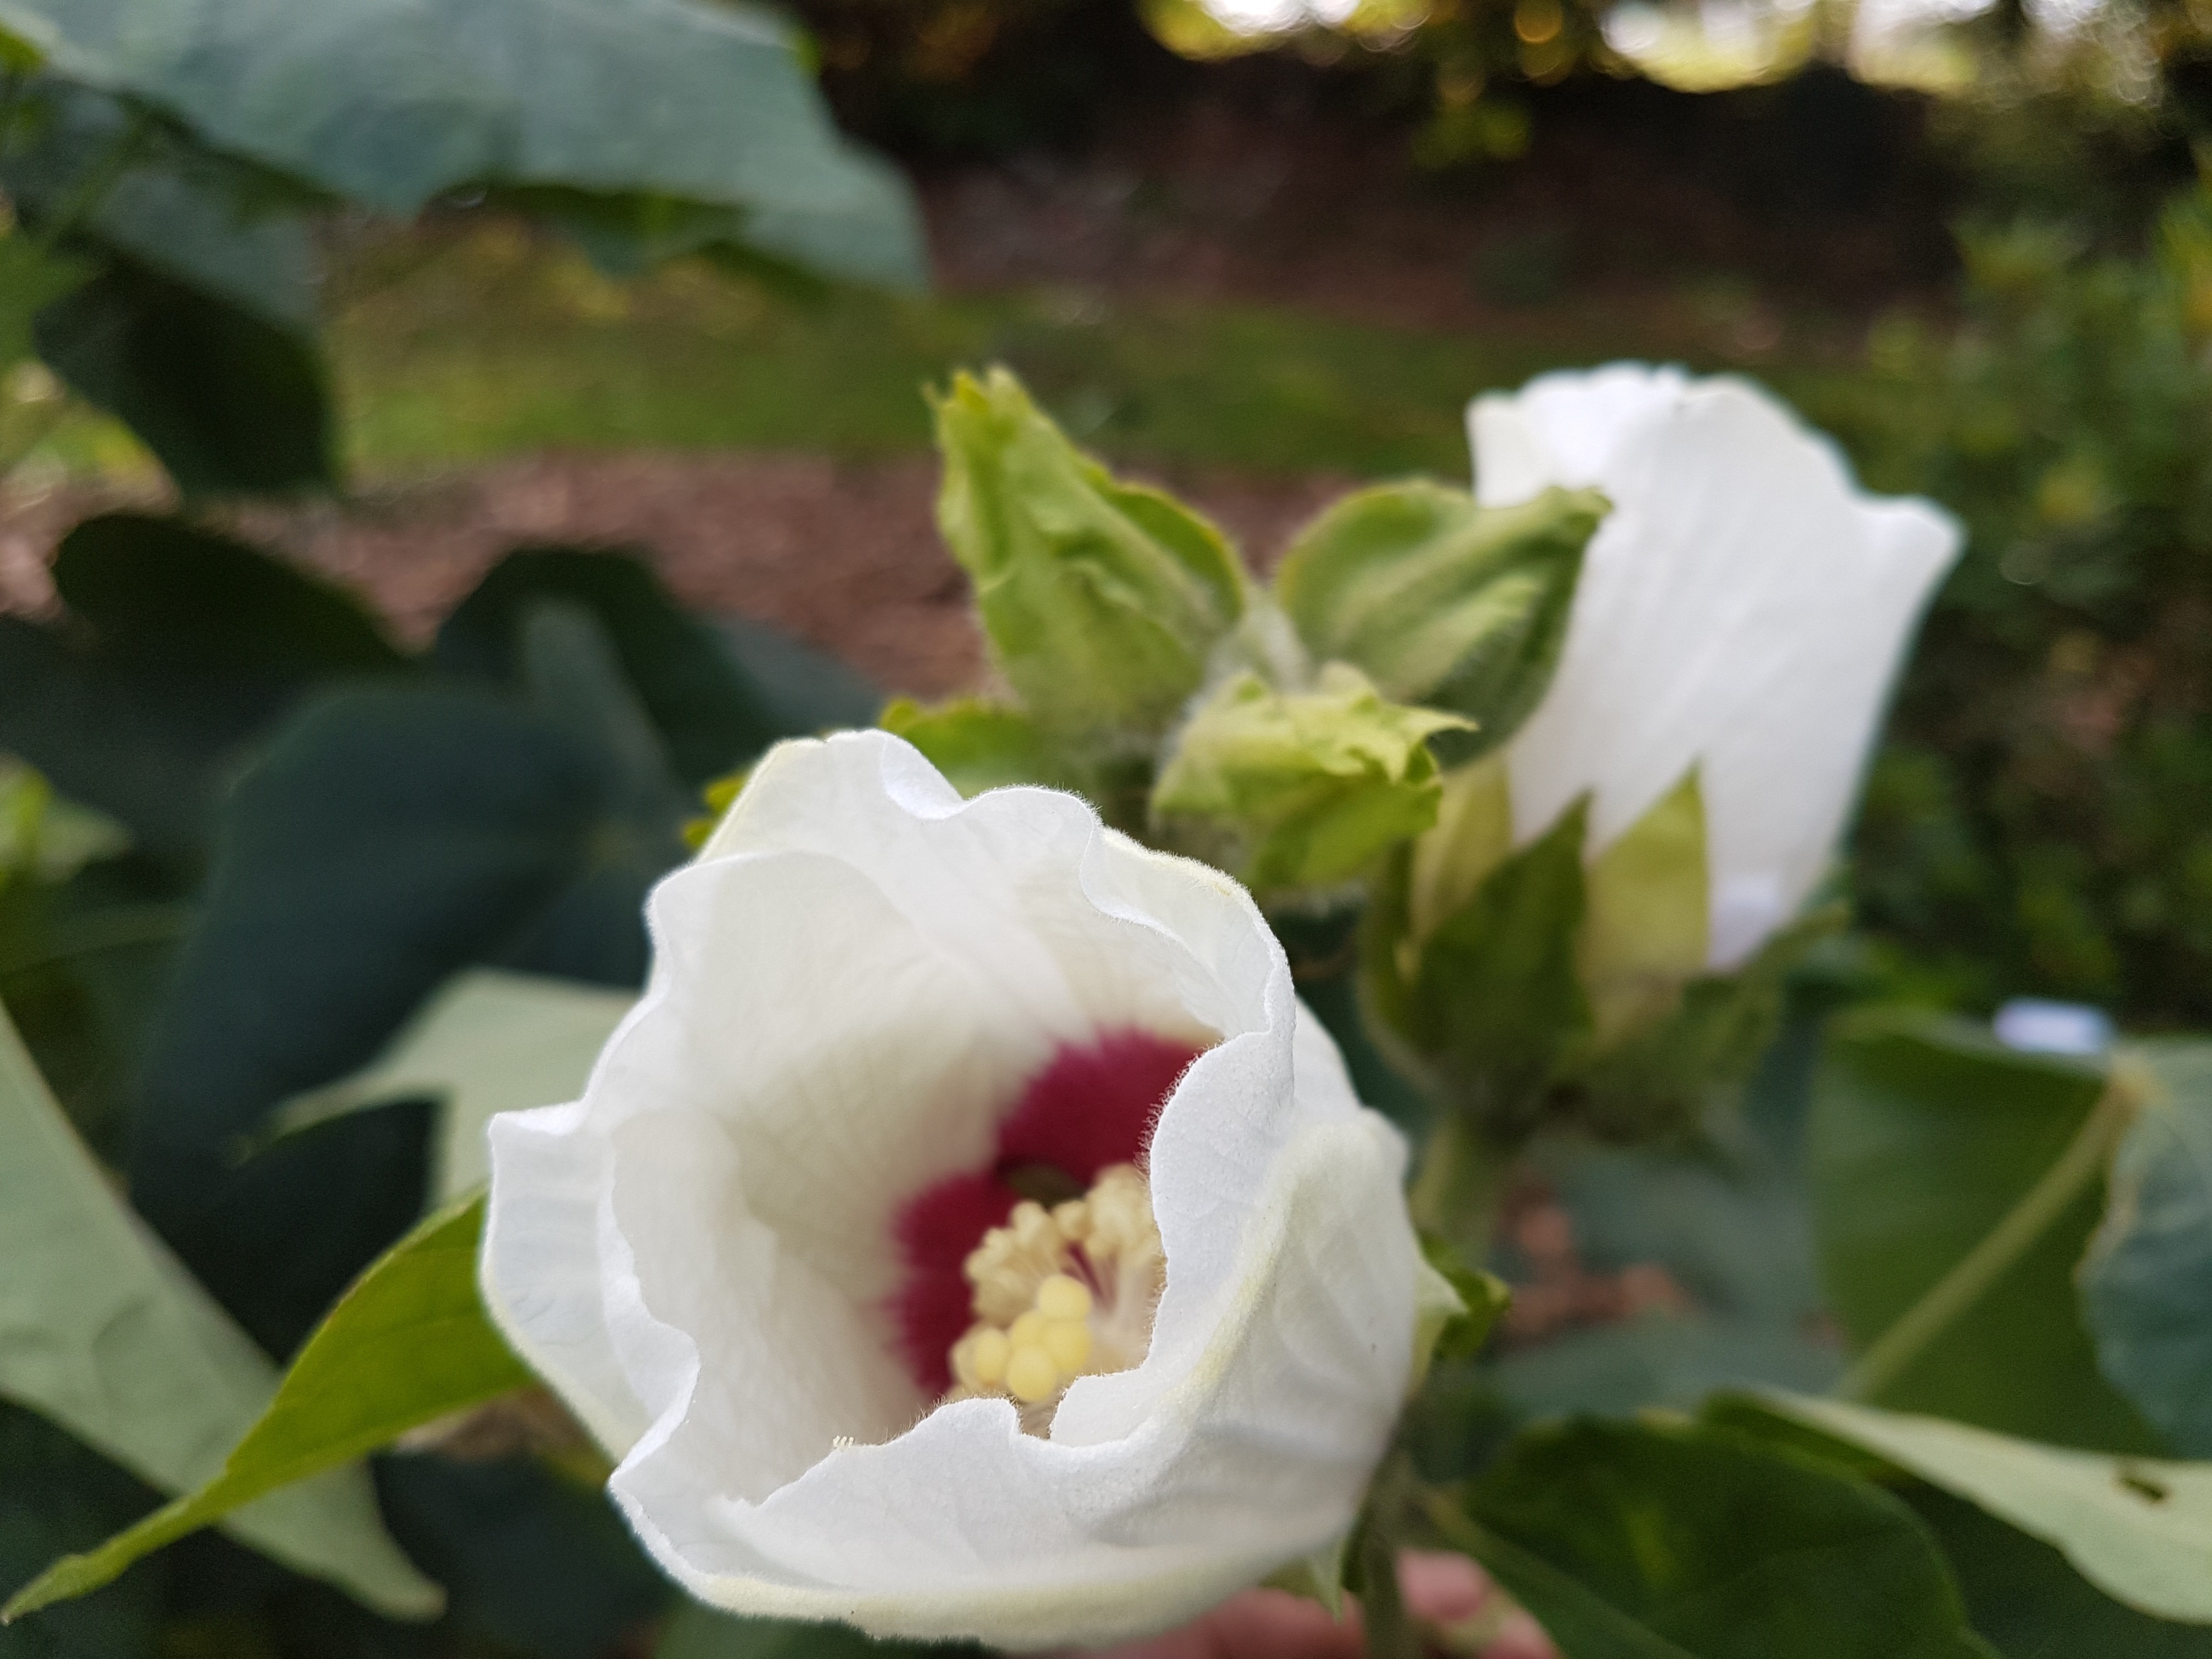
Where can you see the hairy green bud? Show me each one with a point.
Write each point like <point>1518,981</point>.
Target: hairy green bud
<point>1301,789</point>
<point>1102,600</point>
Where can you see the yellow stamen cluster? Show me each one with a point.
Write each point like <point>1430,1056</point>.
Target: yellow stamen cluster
<point>1061,1293</point>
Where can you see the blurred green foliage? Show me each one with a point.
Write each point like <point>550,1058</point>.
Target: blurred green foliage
<point>2036,823</point>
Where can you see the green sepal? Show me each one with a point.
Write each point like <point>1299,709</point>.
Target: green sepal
<point>1481,1298</point>
<point>1656,1080</point>
<point>1488,1002</point>
<point>1102,600</point>
<point>1300,789</point>
<point>1440,601</point>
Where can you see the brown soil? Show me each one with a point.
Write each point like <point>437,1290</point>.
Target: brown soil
<point>844,555</point>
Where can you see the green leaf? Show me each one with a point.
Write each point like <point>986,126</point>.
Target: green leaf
<point>710,709</point>
<point>1102,600</point>
<point>102,1331</point>
<point>391,106</point>
<point>409,1343</point>
<point>387,838</point>
<point>2147,1284</point>
<point>2028,1604</point>
<point>1300,789</point>
<point>1489,1002</point>
<point>1437,600</point>
<point>112,181</point>
<point>1956,1183</point>
<point>30,276</point>
<point>226,401</point>
<point>181,647</point>
<point>161,591</point>
<point>981,746</point>
<point>55,1495</point>
<point>2139,1529</point>
<point>487,1041</point>
<point>1644,1541</point>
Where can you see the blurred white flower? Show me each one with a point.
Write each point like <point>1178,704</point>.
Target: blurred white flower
<point>1743,610</point>
<point>779,1259</point>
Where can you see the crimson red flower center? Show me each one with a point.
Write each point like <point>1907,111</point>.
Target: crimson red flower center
<point>1092,1106</point>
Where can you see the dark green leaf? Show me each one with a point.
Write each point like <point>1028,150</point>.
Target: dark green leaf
<point>122,183</point>
<point>536,1561</point>
<point>160,590</point>
<point>2147,1285</point>
<point>713,713</point>
<point>2023,1598</point>
<point>409,1343</point>
<point>391,105</point>
<point>226,401</point>
<point>1642,1542</point>
<point>181,647</point>
<point>1440,601</point>
<point>55,1495</point>
<point>1925,1136</point>
<point>388,839</point>
<point>2140,1530</point>
<point>1656,1358</point>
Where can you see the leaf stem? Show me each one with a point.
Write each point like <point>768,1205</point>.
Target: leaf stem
<point>1973,1274</point>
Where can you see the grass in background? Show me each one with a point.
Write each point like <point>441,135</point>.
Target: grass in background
<point>456,349</point>
<point>448,349</point>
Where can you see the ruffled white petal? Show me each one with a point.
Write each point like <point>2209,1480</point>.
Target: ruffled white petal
<point>1743,610</point>
<point>858,974</point>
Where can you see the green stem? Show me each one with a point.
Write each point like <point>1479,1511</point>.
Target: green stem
<point>1971,1278</point>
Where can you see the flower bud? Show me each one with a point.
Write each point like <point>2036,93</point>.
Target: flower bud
<point>1101,599</point>
<point>1301,789</point>
<point>1438,600</point>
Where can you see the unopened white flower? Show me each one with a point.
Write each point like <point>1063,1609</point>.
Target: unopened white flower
<point>969,1234</point>
<point>1743,609</point>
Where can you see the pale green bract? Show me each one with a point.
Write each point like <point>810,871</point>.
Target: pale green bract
<point>1102,599</point>
<point>1291,789</point>
<point>105,1333</point>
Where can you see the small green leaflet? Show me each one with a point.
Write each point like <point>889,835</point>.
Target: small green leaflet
<point>102,1331</point>
<point>408,1344</point>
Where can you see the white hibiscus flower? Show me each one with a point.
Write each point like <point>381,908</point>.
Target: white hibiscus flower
<point>969,1234</point>
<point>1743,609</point>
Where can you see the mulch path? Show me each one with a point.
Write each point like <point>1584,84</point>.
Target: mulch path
<point>845,555</point>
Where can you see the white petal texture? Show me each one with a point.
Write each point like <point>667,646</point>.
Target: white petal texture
<point>856,991</point>
<point>1743,609</point>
